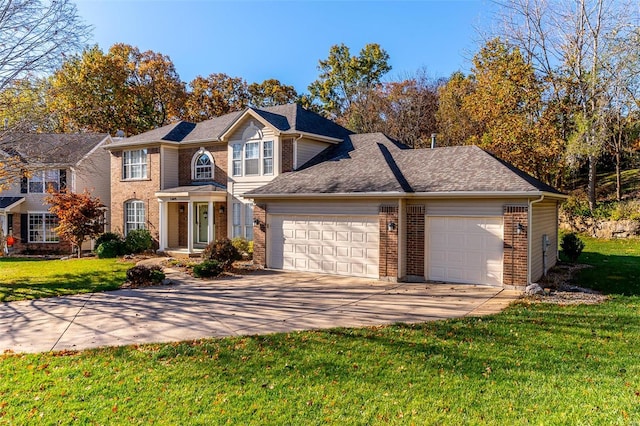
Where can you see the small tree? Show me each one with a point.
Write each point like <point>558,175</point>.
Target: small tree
<point>80,216</point>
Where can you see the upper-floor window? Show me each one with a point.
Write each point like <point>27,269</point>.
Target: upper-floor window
<point>252,158</point>
<point>42,181</point>
<point>134,164</point>
<point>202,165</point>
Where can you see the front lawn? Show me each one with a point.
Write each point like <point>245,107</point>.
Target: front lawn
<point>22,278</point>
<point>532,364</point>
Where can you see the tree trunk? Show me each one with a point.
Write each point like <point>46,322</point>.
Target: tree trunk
<point>591,191</point>
<point>618,178</point>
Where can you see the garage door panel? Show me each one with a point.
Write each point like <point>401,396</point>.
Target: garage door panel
<point>329,244</point>
<point>465,249</point>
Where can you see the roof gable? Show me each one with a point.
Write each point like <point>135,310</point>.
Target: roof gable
<point>51,148</point>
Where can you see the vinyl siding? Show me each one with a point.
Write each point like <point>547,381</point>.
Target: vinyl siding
<point>169,168</point>
<point>361,208</point>
<point>544,221</point>
<point>467,207</point>
<point>267,132</point>
<point>306,150</point>
<point>93,174</point>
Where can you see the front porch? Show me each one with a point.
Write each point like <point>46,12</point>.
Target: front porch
<point>191,218</point>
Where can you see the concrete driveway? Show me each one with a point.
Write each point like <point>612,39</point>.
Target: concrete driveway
<point>260,303</point>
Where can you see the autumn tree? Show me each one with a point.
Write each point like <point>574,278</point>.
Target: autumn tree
<point>215,95</point>
<point>345,79</point>
<point>568,44</point>
<point>123,89</point>
<point>271,93</point>
<point>455,126</point>
<point>80,216</point>
<point>24,107</point>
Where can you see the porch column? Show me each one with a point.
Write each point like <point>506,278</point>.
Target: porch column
<point>210,216</point>
<point>164,226</point>
<point>190,223</point>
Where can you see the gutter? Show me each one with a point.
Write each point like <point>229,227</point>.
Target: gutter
<point>530,235</point>
<point>402,194</point>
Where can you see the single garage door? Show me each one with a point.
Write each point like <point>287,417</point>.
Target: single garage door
<point>342,245</point>
<point>465,250</point>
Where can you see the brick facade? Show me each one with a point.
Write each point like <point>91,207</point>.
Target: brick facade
<point>185,157</point>
<point>388,263</point>
<point>25,247</point>
<point>143,190</point>
<point>220,221</point>
<point>287,155</point>
<point>515,246</point>
<point>415,226</point>
<point>260,234</point>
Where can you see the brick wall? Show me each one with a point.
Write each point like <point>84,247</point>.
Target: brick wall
<point>388,266</point>
<point>260,235</point>
<point>515,246</point>
<point>143,190</point>
<point>219,153</point>
<point>20,246</point>
<point>221,221</point>
<point>287,155</point>
<point>415,240</point>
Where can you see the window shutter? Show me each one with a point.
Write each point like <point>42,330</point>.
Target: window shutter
<point>24,228</point>
<point>24,185</point>
<point>63,179</point>
<point>10,222</point>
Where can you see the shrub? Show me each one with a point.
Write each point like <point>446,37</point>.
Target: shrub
<point>223,251</point>
<point>207,269</point>
<point>137,241</point>
<point>141,274</point>
<point>110,249</point>
<point>244,247</point>
<point>107,236</point>
<point>572,246</point>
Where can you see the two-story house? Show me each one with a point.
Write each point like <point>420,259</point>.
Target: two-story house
<point>186,182</point>
<point>315,197</point>
<point>76,162</point>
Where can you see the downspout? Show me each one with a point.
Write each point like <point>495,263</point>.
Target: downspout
<point>530,235</point>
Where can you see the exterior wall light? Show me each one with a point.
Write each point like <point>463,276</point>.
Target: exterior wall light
<point>391,226</point>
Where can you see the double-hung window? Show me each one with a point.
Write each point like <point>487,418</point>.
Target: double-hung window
<point>44,180</point>
<point>134,164</point>
<point>252,158</point>
<point>134,216</point>
<point>237,159</point>
<point>267,157</point>
<point>237,220</point>
<point>41,227</point>
<point>248,221</point>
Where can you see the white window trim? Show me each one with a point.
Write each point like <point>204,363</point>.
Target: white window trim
<point>42,174</point>
<point>194,166</point>
<point>144,163</point>
<point>139,225</point>
<point>261,157</point>
<point>43,230</point>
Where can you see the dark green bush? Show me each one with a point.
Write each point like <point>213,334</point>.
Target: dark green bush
<point>223,251</point>
<point>141,275</point>
<point>110,249</point>
<point>572,246</point>
<point>207,269</point>
<point>107,236</point>
<point>138,241</point>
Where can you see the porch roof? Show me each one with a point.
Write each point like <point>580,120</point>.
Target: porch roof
<point>8,203</point>
<point>194,190</point>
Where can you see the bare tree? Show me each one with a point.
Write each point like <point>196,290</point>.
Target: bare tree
<point>568,43</point>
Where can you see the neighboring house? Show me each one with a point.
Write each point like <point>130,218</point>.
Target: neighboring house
<point>330,201</point>
<point>72,161</point>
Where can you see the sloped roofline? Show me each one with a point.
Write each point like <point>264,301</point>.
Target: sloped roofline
<point>401,194</point>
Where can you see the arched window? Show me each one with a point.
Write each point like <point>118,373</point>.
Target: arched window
<point>202,165</point>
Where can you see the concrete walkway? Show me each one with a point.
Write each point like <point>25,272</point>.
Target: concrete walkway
<point>260,303</point>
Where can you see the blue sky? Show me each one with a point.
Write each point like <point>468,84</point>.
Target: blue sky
<point>257,40</point>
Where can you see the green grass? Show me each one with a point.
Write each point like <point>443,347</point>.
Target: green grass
<point>531,364</point>
<point>22,278</point>
<point>616,265</point>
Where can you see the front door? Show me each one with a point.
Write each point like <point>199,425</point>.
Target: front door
<point>202,223</point>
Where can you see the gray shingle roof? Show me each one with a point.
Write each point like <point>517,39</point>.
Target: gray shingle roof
<point>286,118</point>
<point>50,148</point>
<point>373,163</point>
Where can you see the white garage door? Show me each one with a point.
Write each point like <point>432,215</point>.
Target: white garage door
<point>465,250</point>
<point>342,245</point>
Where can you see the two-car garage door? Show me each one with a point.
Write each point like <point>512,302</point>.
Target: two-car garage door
<point>343,245</point>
